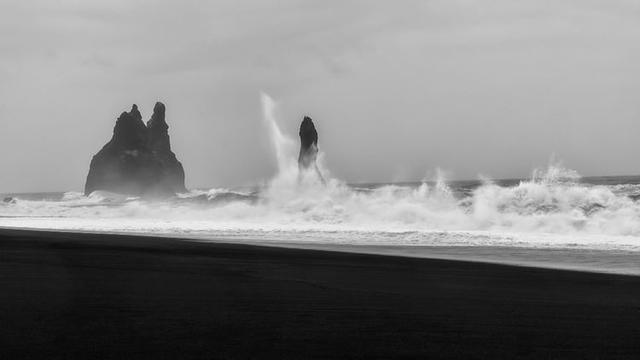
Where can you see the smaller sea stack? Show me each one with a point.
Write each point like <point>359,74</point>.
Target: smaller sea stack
<point>308,144</point>
<point>138,159</point>
<point>308,149</point>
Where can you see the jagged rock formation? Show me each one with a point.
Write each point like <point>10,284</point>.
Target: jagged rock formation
<point>308,144</point>
<point>138,159</point>
<point>308,149</point>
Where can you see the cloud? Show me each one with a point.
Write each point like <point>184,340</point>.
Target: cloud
<point>469,85</point>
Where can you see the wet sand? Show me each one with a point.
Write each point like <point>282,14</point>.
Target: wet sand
<point>65,295</point>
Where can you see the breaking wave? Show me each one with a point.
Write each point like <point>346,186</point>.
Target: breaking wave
<point>554,208</point>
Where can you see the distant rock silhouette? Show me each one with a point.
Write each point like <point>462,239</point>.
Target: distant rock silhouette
<point>308,144</point>
<point>138,159</point>
<point>308,147</point>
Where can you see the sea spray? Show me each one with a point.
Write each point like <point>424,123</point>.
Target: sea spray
<point>283,146</point>
<point>530,213</point>
<point>291,186</point>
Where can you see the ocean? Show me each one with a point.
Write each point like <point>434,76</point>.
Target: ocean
<point>553,218</point>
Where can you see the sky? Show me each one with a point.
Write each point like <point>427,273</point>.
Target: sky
<point>396,88</point>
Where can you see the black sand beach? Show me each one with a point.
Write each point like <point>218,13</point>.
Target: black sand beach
<point>114,297</point>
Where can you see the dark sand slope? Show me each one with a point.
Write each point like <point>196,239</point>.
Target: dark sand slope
<point>103,296</point>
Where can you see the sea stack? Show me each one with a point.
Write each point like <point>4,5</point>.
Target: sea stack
<point>138,159</point>
<point>308,144</point>
<point>308,149</point>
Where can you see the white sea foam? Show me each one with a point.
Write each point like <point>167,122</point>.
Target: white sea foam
<point>552,209</point>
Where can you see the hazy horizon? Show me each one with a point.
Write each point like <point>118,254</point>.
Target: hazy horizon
<point>471,87</point>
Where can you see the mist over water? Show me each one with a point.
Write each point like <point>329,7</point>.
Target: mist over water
<point>555,208</point>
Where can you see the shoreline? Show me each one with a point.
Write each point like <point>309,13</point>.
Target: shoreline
<point>75,295</point>
<point>598,261</point>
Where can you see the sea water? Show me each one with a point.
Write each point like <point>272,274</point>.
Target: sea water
<point>554,217</point>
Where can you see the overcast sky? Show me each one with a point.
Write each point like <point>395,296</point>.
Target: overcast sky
<point>396,88</point>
